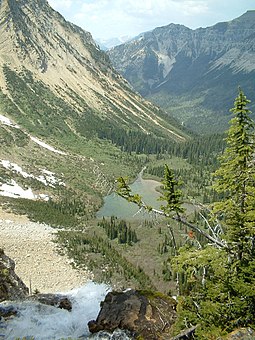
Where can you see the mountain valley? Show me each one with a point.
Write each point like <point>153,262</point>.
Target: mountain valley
<point>193,74</point>
<point>70,125</point>
<point>58,88</point>
<point>77,128</point>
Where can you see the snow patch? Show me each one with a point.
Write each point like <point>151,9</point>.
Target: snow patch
<point>14,167</point>
<point>46,146</point>
<point>47,178</point>
<point>6,121</point>
<point>15,191</point>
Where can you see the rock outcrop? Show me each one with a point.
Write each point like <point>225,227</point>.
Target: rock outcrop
<point>146,314</point>
<point>11,286</point>
<point>242,334</point>
<point>55,300</point>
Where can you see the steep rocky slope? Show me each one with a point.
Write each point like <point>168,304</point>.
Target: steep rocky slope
<point>61,107</point>
<point>39,47</point>
<point>38,263</point>
<point>192,73</point>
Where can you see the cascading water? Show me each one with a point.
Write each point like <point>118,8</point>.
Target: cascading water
<point>41,322</point>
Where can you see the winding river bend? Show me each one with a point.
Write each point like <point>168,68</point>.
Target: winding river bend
<point>114,205</point>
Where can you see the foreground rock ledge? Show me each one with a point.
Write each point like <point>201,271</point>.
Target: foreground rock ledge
<point>145,314</point>
<point>11,286</point>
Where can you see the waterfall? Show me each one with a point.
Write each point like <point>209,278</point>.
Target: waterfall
<point>41,322</point>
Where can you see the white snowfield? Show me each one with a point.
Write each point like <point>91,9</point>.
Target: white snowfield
<point>14,167</point>
<point>47,177</point>
<point>6,121</point>
<point>13,189</point>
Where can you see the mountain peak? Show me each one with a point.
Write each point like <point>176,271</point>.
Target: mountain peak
<point>250,13</point>
<point>246,20</point>
<point>39,48</point>
<point>38,34</point>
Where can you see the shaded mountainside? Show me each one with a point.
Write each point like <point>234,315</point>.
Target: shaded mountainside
<point>65,112</point>
<point>194,74</point>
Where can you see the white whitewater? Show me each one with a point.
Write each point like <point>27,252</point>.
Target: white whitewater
<point>41,322</point>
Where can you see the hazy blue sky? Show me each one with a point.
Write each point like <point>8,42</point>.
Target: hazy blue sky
<point>115,18</point>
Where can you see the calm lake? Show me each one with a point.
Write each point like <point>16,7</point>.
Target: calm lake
<point>114,205</point>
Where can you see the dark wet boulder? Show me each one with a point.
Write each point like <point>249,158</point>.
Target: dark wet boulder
<point>56,300</point>
<point>7,311</point>
<point>148,315</point>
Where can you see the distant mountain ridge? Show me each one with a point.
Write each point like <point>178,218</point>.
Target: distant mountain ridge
<point>181,69</point>
<point>106,44</point>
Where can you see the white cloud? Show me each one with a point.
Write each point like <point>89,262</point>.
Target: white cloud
<point>61,4</point>
<point>111,18</point>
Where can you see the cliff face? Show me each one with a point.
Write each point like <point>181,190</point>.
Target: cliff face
<point>11,286</point>
<point>206,64</point>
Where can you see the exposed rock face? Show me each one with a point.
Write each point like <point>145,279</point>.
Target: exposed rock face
<point>206,64</point>
<point>8,311</point>
<point>145,314</point>
<point>11,286</point>
<point>242,334</point>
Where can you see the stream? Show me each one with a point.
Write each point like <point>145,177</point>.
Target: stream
<point>36,321</point>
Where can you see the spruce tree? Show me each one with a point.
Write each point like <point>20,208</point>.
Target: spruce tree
<point>172,195</point>
<point>219,276</point>
<point>235,180</point>
<point>226,298</point>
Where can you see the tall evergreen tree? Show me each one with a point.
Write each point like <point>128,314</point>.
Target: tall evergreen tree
<point>235,180</point>
<point>227,296</point>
